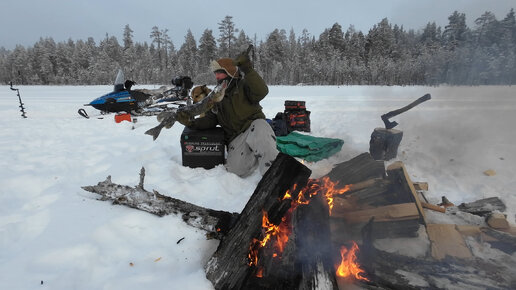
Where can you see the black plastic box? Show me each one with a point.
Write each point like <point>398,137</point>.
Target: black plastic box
<point>202,148</point>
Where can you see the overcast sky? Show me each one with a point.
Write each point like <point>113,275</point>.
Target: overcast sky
<point>25,21</point>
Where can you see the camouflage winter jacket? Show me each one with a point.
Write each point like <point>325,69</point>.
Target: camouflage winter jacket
<point>239,108</point>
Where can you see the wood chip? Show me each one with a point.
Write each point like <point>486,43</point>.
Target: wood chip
<point>490,172</point>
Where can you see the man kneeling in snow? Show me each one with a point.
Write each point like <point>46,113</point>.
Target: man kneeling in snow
<point>249,138</point>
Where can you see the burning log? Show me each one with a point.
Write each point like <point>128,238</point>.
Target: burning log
<point>233,265</point>
<point>313,245</point>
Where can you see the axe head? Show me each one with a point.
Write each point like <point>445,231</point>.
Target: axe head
<point>388,124</point>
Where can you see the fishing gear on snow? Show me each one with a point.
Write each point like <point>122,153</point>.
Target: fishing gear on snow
<point>22,109</point>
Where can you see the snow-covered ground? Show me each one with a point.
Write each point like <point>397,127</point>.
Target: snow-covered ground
<point>54,235</point>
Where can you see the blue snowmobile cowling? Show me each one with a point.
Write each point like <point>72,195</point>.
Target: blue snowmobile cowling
<point>115,102</point>
<point>120,99</point>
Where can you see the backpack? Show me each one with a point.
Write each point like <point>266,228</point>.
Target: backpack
<point>279,125</point>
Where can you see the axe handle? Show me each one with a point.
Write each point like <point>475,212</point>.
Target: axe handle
<point>407,107</point>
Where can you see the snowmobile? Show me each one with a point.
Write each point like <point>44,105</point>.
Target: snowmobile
<point>123,98</point>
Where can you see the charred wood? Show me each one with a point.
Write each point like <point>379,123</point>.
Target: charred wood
<point>343,232</point>
<point>359,196</point>
<point>502,241</point>
<point>229,268</point>
<point>313,244</point>
<point>357,169</point>
<point>394,271</point>
<point>483,207</point>
<point>215,222</point>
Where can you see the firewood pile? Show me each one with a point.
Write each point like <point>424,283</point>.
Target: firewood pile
<point>330,233</point>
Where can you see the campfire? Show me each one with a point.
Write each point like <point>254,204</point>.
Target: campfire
<point>302,233</point>
<point>278,235</point>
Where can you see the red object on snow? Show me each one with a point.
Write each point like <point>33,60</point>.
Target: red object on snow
<point>122,117</point>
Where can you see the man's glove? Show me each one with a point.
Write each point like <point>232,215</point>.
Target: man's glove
<point>243,62</point>
<point>184,118</point>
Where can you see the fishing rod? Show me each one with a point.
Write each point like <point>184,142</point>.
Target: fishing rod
<point>22,109</point>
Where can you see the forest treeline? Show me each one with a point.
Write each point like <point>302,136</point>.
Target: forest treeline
<point>387,55</point>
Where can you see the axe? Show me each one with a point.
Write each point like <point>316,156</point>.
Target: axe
<point>392,124</point>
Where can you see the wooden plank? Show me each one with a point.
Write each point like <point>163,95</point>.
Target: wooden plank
<point>433,207</point>
<point>423,186</point>
<point>382,213</point>
<point>447,241</point>
<point>403,188</point>
<point>469,230</point>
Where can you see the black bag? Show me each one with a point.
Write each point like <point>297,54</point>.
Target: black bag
<point>279,125</point>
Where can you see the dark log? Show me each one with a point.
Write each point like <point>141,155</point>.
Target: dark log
<point>315,253</point>
<point>228,268</point>
<point>384,143</point>
<point>215,222</point>
<point>308,259</point>
<point>483,207</point>
<point>357,169</point>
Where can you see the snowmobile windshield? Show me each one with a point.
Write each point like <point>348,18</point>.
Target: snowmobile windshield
<point>119,81</point>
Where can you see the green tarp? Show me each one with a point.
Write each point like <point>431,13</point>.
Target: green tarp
<point>308,147</point>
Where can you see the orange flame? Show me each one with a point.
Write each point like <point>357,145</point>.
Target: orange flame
<point>327,188</point>
<point>281,232</point>
<point>348,266</point>
<point>259,272</point>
